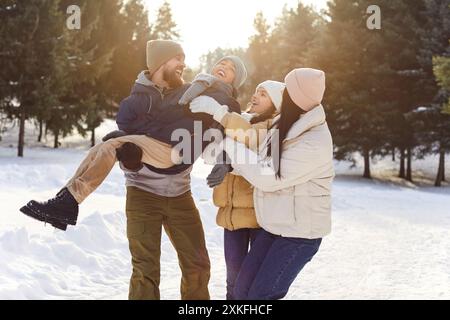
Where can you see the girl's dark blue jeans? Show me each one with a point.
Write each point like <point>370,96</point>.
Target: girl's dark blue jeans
<point>236,246</point>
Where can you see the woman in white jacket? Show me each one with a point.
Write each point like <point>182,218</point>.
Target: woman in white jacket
<point>292,175</point>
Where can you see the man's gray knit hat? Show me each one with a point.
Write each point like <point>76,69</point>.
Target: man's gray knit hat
<point>240,73</point>
<point>161,51</point>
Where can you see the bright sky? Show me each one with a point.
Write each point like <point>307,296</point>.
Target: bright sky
<point>207,24</point>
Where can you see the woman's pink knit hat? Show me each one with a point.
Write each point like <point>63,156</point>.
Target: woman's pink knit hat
<point>306,87</point>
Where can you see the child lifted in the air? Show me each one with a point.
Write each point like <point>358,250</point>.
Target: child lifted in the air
<point>146,122</point>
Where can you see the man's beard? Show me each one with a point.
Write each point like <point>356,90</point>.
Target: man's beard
<point>172,79</point>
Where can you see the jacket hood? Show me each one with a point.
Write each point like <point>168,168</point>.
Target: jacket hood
<point>309,120</point>
<point>143,79</point>
<point>143,84</point>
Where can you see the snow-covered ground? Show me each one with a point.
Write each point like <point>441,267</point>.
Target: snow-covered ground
<point>390,240</point>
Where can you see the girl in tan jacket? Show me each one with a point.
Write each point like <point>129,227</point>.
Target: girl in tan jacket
<point>292,174</point>
<point>234,196</point>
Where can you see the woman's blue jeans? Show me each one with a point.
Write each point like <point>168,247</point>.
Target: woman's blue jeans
<point>272,265</point>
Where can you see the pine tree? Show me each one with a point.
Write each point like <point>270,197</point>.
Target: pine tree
<point>260,54</point>
<point>442,73</point>
<point>294,34</point>
<point>165,27</point>
<point>273,52</point>
<point>442,113</point>
<point>352,57</point>
<point>402,21</point>
<point>431,117</point>
<point>80,61</point>
<point>87,60</point>
<point>28,58</point>
<point>129,58</point>
<point>105,41</point>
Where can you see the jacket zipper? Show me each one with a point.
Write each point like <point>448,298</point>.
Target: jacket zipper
<point>231,201</point>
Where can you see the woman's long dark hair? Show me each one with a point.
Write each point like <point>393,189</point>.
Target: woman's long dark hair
<point>268,114</point>
<point>289,114</point>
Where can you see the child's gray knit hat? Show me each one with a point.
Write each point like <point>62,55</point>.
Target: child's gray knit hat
<point>240,73</point>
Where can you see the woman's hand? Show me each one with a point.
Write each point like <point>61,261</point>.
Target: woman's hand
<point>204,104</point>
